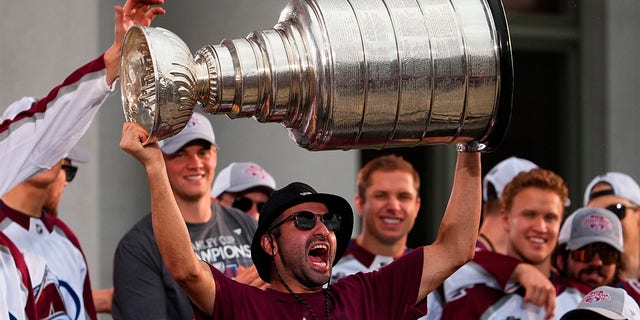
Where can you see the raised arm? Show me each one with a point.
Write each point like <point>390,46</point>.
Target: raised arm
<point>169,228</point>
<point>36,133</point>
<point>455,242</point>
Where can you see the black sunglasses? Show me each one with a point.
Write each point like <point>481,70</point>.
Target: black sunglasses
<point>306,220</point>
<point>620,210</point>
<point>245,204</point>
<point>69,171</point>
<point>607,253</point>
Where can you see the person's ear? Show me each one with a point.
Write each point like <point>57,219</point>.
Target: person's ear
<point>505,220</point>
<point>269,245</point>
<point>560,262</point>
<point>359,201</point>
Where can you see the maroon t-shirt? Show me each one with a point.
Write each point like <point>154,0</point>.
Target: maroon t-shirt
<point>389,293</point>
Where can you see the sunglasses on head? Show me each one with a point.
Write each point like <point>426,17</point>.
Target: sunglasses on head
<point>69,171</point>
<point>620,210</point>
<point>245,204</point>
<point>306,220</point>
<point>607,253</point>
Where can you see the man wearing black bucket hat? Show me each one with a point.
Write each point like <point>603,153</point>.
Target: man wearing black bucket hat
<point>301,234</point>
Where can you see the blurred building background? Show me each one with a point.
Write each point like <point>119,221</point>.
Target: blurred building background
<point>576,105</point>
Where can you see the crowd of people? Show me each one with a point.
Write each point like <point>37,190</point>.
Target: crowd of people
<point>572,253</point>
<point>236,246</point>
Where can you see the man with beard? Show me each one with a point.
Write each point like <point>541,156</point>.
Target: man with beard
<point>588,254</point>
<point>67,174</point>
<point>101,297</point>
<point>620,194</point>
<point>301,234</point>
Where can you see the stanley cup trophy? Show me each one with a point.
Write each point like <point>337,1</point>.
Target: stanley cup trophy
<point>338,74</point>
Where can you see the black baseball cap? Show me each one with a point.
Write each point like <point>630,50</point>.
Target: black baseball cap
<point>287,197</point>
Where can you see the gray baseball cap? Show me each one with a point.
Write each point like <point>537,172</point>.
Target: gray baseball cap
<point>622,186</point>
<point>240,176</point>
<point>502,173</point>
<point>198,127</point>
<point>605,301</point>
<point>590,225</point>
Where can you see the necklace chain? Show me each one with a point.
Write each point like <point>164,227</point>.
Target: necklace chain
<point>483,236</point>
<point>325,293</point>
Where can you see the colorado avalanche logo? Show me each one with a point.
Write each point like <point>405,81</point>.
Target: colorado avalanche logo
<point>597,223</point>
<point>50,298</point>
<point>596,296</point>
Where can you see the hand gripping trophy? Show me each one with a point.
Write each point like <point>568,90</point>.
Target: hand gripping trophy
<point>338,74</point>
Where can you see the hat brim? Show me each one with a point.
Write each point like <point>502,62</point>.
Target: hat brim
<point>591,313</point>
<point>577,243</point>
<point>178,142</point>
<point>335,204</point>
<point>78,154</point>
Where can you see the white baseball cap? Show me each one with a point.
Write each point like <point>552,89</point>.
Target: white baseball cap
<point>198,127</point>
<point>590,225</point>
<point>240,176</point>
<point>608,302</point>
<point>502,173</point>
<point>78,154</point>
<point>622,186</point>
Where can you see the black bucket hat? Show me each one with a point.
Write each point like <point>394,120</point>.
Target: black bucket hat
<point>287,197</point>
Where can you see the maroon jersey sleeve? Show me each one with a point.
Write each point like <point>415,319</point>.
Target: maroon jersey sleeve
<point>20,264</point>
<point>632,287</point>
<point>498,265</point>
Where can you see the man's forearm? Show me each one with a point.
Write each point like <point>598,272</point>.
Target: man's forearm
<point>459,227</point>
<point>458,230</point>
<point>169,227</point>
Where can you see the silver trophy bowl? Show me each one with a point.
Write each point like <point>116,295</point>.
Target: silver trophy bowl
<point>338,74</point>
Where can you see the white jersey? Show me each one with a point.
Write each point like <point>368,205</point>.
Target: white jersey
<point>482,289</point>
<point>358,259</point>
<point>14,283</point>
<point>455,286</point>
<point>513,306</point>
<point>56,264</point>
<point>36,134</point>
<point>567,301</point>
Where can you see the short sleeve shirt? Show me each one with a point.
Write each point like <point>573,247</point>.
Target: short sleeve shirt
<point>384,294</point>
